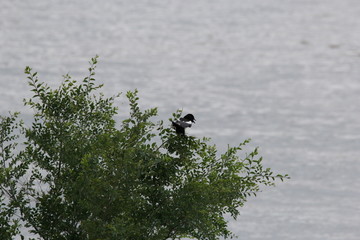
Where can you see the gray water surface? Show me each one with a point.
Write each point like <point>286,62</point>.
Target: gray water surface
<point>285,73</point>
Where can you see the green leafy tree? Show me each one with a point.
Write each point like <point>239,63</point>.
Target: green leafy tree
<point>81,175</point>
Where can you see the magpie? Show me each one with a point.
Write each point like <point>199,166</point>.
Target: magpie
<point>182,123</point>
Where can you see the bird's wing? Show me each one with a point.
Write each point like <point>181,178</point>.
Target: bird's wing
<point>183,124</point>
<point>179,129</point>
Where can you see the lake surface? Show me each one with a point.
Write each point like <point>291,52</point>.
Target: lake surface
<point>285,73</point>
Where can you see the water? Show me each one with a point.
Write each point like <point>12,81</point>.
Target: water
<point>283,72</point>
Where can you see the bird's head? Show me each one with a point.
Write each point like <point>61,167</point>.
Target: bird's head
<point>189,117</point>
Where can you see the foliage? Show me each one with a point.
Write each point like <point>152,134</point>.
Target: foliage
<point>80,175</point>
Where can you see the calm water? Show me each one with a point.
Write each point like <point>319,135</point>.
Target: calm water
<point>285,73</point>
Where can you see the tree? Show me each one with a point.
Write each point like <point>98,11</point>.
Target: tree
<point>81,175</point>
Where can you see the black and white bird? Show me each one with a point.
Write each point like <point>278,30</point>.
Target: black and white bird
<point>182,123</point>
